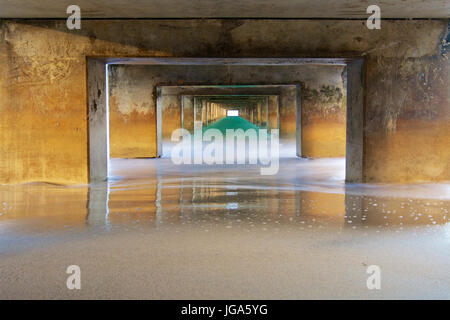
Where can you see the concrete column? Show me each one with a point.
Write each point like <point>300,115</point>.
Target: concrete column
<point>208,111</point>
<point>159,132</point>
<point>355,121</point>
<point>198,110</point>
<point>188,113</point>
<point>98,120</point>
<point>265,113</point>
<point>298,122</point>
<point>272,116</point>
<point>258,110</point>
<point>204,113</point>
<point>211,111</point>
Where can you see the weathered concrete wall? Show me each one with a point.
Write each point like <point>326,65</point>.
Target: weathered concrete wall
<point>132,114</point>
<point>132,106</point>
<point>43,125</point>
<point>323,120</point>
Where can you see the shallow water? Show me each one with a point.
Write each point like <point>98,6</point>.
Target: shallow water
<point>157,230</point>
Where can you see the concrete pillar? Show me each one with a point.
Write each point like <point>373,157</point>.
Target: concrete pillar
<point>159,121</point>
<point>204,112</point>
<point>98,120</point>
<point>198,110</point>
<point>208,112</point>
<point>188,115</point>
<point>211,109</point>
<point>208,106</point>
<point>265,113</point>
<point>298,123</point>
<point>258,110</point>
<point>272,113</point>
<point>355,121</point>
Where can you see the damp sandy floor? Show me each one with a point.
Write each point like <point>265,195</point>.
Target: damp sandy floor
<point>161,231</point>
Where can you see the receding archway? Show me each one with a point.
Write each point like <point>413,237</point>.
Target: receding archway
<point>98,101</point>
<point>284,98</point>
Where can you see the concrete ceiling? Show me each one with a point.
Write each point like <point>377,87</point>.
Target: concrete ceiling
<point>224,8</point>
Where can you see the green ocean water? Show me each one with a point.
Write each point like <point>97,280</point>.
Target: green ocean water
<point>231,123</point>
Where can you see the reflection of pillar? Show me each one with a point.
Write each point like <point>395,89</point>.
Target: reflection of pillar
<point>98,203</point>
<point>353,210</point>
<point>158,203</point>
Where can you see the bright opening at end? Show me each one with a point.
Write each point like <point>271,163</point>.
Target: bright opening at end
<point>232,113</point>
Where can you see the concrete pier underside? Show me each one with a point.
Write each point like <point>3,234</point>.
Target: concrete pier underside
<point>43,85</point>
<point>132,101</point>
<point>367,181</point>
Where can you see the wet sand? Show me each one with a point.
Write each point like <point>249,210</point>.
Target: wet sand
<point>161,231</point>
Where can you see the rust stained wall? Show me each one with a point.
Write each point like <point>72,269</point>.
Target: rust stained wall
<point>323,121</point>
<point>132,114</point>
<point>43,134</point>
<point>323,103</point>
<point>408,123</point>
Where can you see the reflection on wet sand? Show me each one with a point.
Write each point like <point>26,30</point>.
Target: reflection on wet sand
<point>311,204</point>
<point>202,198</point>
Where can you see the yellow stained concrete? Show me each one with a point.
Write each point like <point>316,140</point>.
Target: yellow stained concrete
<point>133,135</point>
<point>415,142</point>
<point>43,112</point>
<point>323,139</point>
